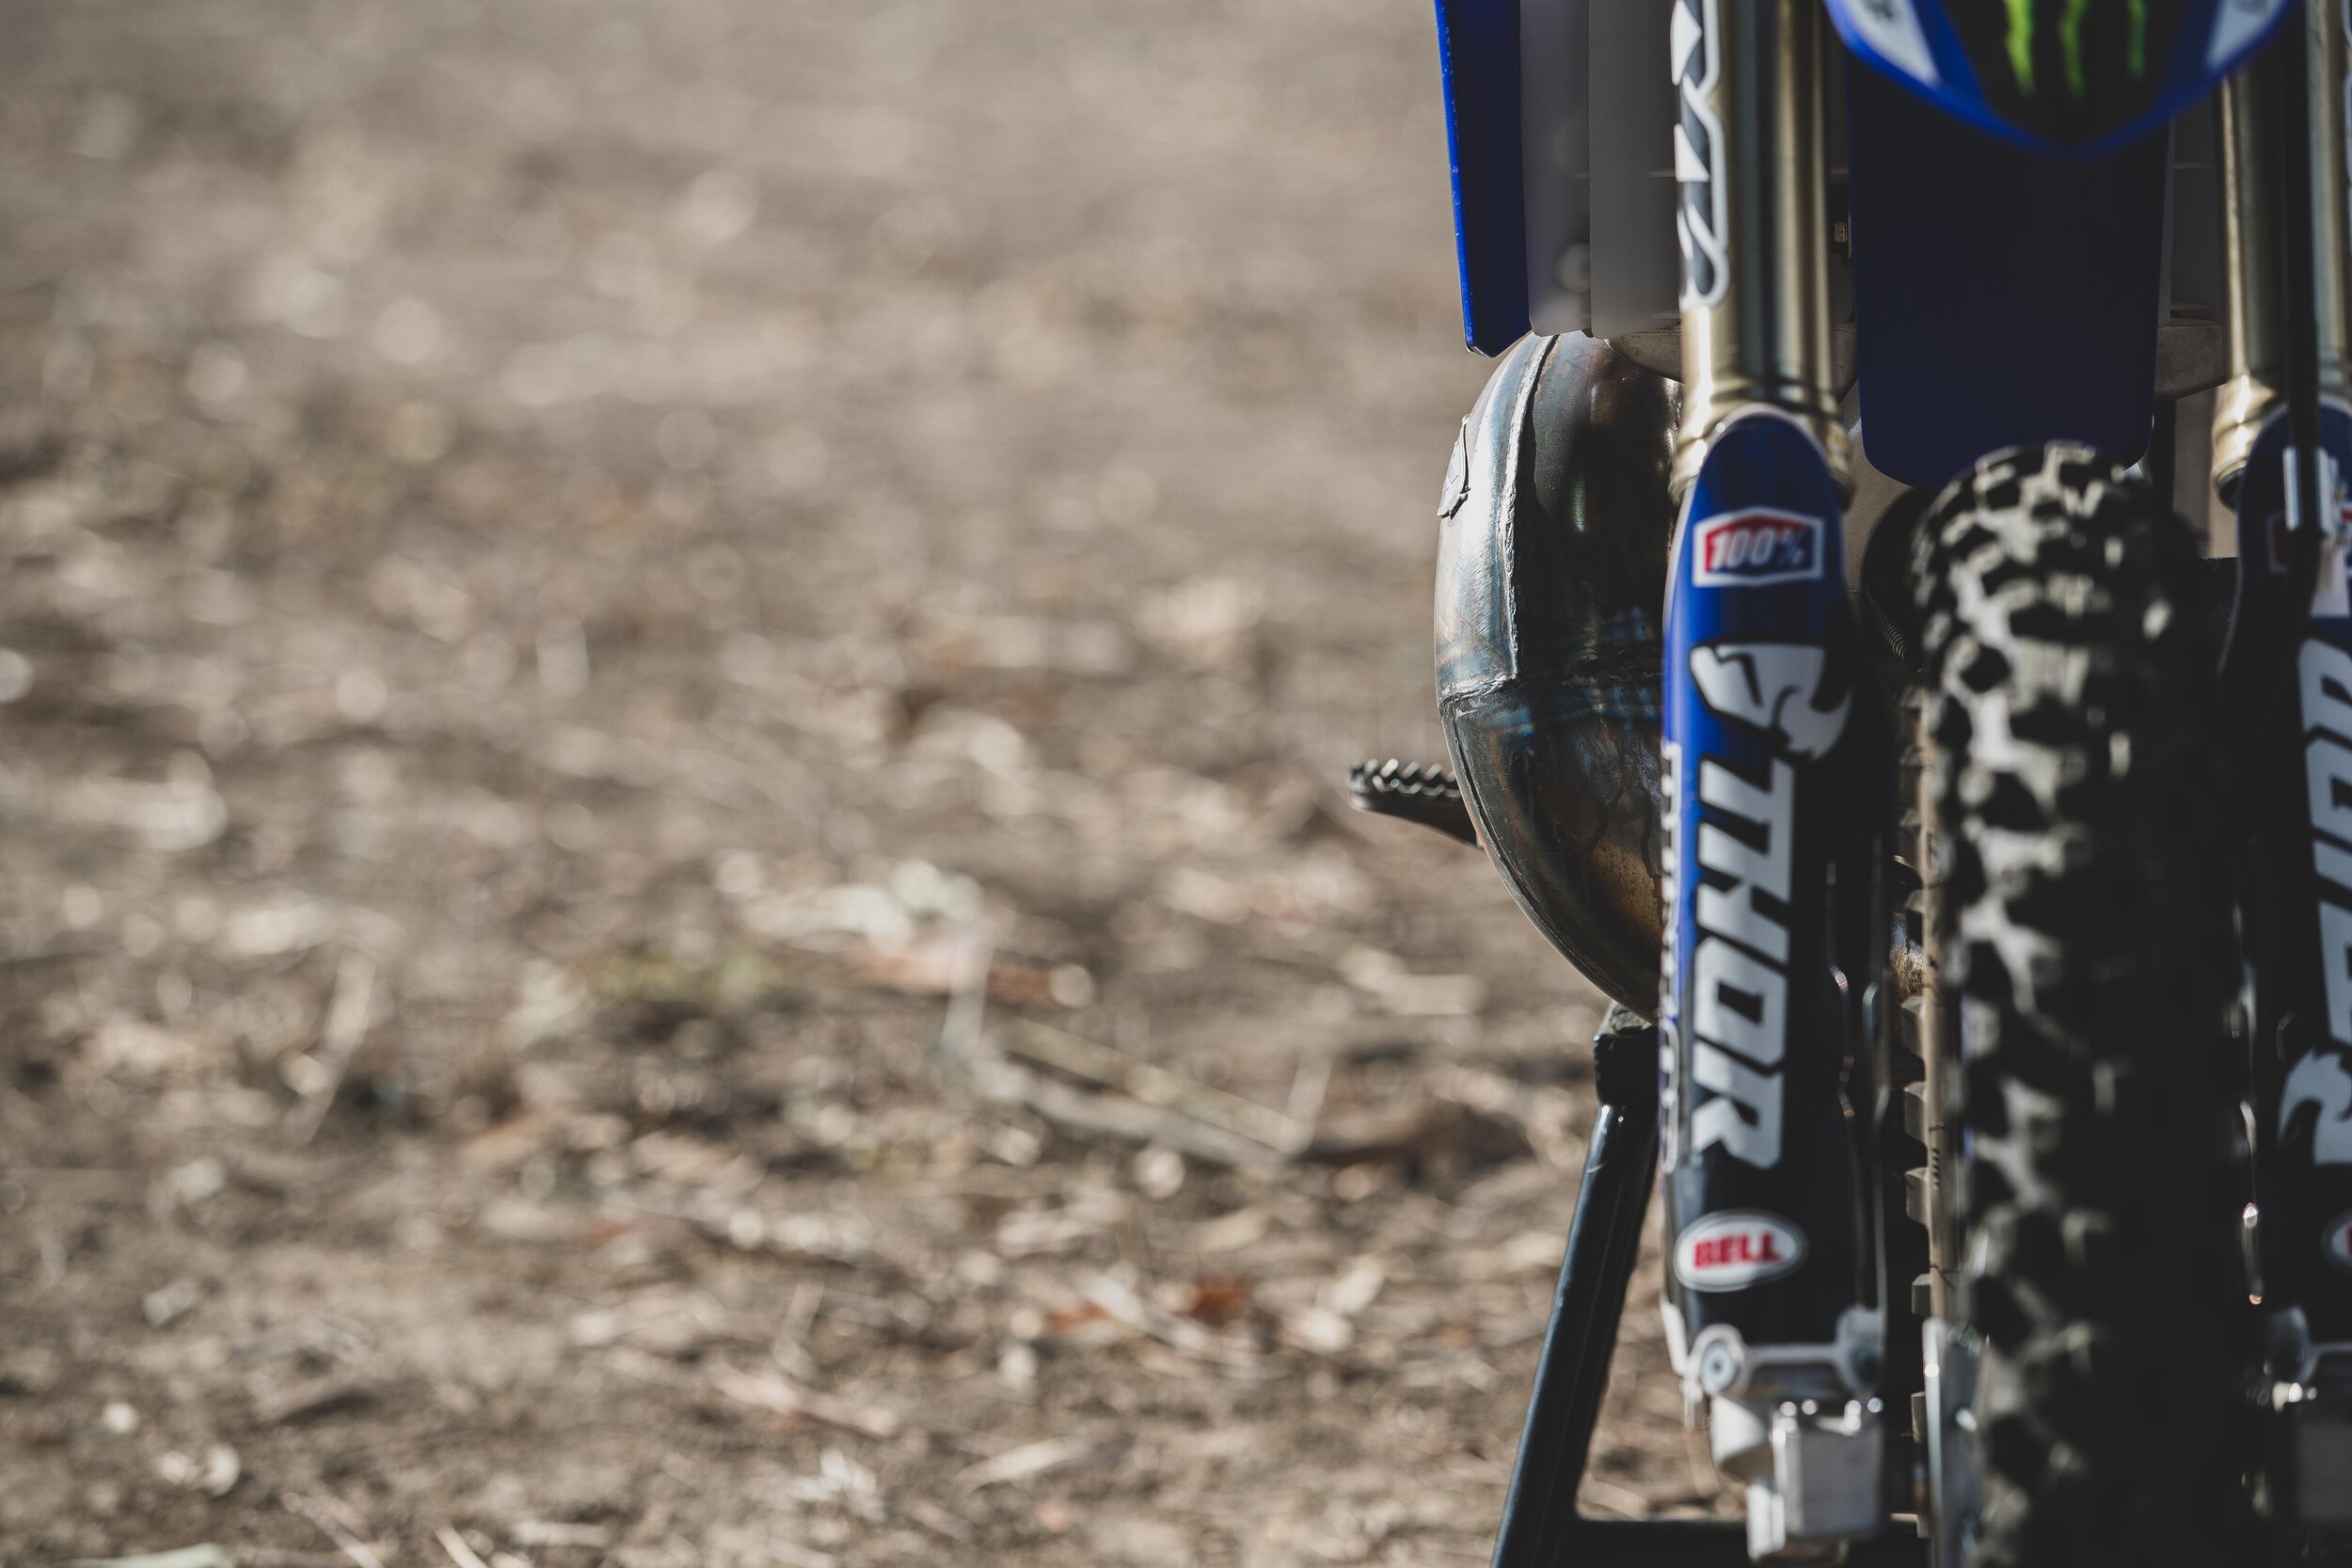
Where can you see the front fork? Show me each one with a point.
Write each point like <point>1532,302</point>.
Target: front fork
<point>1778,805</point>
<point>2283,444</point>
<point>1778,818</point>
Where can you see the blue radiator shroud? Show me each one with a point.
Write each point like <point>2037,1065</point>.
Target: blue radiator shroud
<point>1478,50</point>
<point>1560,119</point>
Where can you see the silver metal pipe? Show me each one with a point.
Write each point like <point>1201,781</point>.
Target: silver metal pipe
<point>1753,224</point>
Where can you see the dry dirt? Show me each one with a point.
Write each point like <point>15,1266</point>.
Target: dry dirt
<point>578,572</point>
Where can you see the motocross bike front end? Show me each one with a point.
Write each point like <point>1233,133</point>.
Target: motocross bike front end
<point>1996,927</point>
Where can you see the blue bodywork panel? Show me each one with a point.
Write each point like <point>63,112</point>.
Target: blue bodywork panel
<point>1478,50</point>
<point>2001,298</point>
<point>1775,790</point>
<point>1561,116</point>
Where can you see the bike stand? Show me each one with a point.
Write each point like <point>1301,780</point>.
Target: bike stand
<point>1541,1527</point>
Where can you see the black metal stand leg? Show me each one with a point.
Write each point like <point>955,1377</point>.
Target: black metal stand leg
<point>1539,1519</point>
<point>1541,1527</point>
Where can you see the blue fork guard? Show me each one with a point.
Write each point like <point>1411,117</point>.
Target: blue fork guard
<point>2299,909</point>
<point>1776,791</point>
<point>2002,298</point>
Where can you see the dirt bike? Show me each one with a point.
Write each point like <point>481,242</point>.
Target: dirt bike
<point>1982,936</point>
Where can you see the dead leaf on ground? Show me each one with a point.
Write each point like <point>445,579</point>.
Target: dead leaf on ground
<point>299,1401</point>
<point>1036,1458</point>
<point>939,962</point>
<point>206,1556</point>
<point>1084,1323</point>
<point>510,1142</point>
<point>560,1533</point>
<point>1217,1299</point>
<point>770,1392</point>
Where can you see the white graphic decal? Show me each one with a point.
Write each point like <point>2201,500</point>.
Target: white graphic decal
<point>1772,686</point>
<point>2235,25</point>
<point>2335,1242</point>
<point>1890,29</point>
<point>2320,1079</point>
<point>1736,970</point>
<point>1738,984</point>
<point>2325,673</point>
<point>2328,783</point>
<point>1699,218</point>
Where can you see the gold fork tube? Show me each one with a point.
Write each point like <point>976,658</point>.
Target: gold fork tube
<point>1756,304</point>
<point>2250,238</point>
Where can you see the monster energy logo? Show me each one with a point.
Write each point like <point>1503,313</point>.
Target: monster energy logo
<point>2023,24</point>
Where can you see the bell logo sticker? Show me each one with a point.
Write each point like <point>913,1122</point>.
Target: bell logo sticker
<point>1755,548</point>
<point>1732,1251</point>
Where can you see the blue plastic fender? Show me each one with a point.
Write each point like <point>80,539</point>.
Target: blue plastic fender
<point>2001,298</point>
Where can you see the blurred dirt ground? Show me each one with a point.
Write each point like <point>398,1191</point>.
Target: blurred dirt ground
<point>654,655</point>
